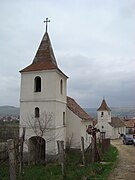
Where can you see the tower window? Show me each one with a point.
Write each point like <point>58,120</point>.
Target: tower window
<point>102,113</point>
<point>61,86</point>
<point>64,119</point>
<point>37,84</point>
<point>37,112</point>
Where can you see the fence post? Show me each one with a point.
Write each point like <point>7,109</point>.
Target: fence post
<point>21,149</point>
<point>11,153</point>
<point>82,150</point>
<point>61,157</point>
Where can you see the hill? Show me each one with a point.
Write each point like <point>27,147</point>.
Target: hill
<point>120,112</point>
<point>9,110</point>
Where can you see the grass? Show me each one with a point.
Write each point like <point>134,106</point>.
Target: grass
<point>74,169</point>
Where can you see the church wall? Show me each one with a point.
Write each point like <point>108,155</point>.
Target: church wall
<point>50,86</point>
<point>106,116</point>
<point>52,99</point>
<point>87,137</point>
<point>73,131</point>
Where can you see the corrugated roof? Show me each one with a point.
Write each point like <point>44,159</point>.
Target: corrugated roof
<point>76,109</point>
<point>117,122</point>
<point>103,106</point>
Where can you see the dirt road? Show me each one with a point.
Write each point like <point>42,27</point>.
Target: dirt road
<point>125,169</point>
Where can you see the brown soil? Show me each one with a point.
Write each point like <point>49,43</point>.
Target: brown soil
<point>125,168</point>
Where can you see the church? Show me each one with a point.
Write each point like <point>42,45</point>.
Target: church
<point>111,126</point>
<point>46,111</point>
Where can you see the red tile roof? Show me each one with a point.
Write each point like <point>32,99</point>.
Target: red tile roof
<point>130,123</point>
<point>77,110</point>
<point>44,58</point>
<point>117,122</point>
<point>104,106</point>
<point>38,66</point>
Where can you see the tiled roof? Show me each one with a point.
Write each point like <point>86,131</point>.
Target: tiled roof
<point>117,122</point>
<point>76,109</point>
<point>130,123</point>
<point>104,106</point>
<point>45,51</point>
<point>44,58</point>
<point>38,66</point>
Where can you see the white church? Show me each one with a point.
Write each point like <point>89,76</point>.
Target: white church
<point>45,110</point>
<point>111,126</point>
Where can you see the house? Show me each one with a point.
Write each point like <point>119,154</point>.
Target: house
<point>112,126</point>
<point>45,110</point>
<point>130,125</point>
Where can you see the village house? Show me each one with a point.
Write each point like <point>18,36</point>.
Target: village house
<point>112,126</point>
<point>130,125</point>
<point>45,110</point>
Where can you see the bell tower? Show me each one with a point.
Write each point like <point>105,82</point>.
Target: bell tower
<point>103,116</point>
<point>44,95</point>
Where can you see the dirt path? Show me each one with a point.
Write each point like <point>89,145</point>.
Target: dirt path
<point>125,169</point>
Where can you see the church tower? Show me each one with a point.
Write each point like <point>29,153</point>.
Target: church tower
<point>43,99</point>
<point>103,116</point>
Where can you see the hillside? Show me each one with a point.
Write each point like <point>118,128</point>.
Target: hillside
<point>9,110</point>
<point>121,112</point>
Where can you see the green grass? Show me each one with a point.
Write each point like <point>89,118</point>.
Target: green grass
<point>4,171</point>
<point>111,154</point>
<point>74,168</point>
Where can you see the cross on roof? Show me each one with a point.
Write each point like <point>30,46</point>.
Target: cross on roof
<point>46,21</point>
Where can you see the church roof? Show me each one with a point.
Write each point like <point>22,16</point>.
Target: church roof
<point>103,106</point>
<point>44,58</point>
<point>117,122</point>
<point>76,109</point>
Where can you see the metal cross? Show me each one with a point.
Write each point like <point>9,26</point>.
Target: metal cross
<point>46,21</point>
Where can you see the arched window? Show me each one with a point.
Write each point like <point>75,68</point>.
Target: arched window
<point>37,113</point>
<point>102,113</point>
<point>61,86</point>
<point>37,84</point>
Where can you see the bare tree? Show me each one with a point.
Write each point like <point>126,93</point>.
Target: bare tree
<point>42,124</point>
<point>44,130</point>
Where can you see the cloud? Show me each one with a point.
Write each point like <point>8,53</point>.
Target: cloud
<point>93,43</point>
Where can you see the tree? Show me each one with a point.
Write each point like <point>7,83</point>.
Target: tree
<point>44,130</point>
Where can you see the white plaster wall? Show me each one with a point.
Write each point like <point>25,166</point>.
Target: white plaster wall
<point>76,128</point>
<point>73,131</point>
<point>87,137</point>
<point>49,100</point>
<point>49,137</point>
<point>103,122</point>
<point>50,88</point>
<point>106,116</point>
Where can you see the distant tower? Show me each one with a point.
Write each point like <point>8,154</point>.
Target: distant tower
<point>43,90</point>
<point>103,116</point>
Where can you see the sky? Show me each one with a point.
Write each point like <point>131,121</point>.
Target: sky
<point>93,42</point>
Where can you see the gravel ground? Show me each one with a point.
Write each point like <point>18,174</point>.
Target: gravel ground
<point>125,169</point>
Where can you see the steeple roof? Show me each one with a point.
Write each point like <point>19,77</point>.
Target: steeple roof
<point>103,106</point>
<point>45,51</point>
<point>44,58</point>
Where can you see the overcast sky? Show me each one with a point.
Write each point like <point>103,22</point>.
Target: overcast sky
<point>93,42</point>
